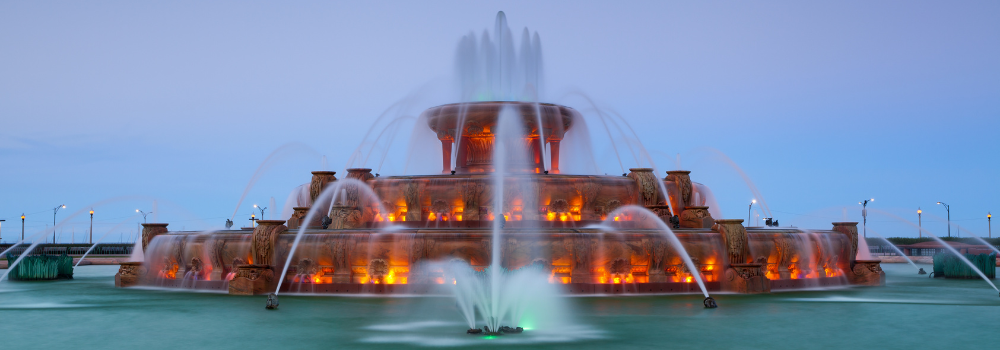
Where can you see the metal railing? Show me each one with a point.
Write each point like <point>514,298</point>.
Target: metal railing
<point>72,249</point>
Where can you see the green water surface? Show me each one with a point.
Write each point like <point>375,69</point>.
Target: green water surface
<point>911,311</point>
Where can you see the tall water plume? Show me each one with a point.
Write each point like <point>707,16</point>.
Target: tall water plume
<point>489,68</point>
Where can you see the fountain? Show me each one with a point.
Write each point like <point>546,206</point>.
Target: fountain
<point>502,227</point>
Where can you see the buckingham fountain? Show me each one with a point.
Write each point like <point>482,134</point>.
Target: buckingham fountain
<point>501,224</point>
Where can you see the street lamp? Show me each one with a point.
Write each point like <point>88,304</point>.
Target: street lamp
<point>2,221</point>
<point>253,220</point>
<point>989,225</point>
<point>920,226</point>
<point>864,215</point>
<point>750,211</point>
<point>91,226</point>
<point>143,214</point>
<point>22,226</point>
<point>54,211</point>
<point>948,208</point>
<point>262,209</point>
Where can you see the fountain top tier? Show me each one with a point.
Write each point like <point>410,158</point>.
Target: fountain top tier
<point>471,128</point>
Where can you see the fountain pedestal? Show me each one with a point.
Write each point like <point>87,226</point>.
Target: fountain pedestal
<point>867,273</point>
<point>252,280</point>
<point>746,278</point>
<point>150,230</point>
<point>129,274</point>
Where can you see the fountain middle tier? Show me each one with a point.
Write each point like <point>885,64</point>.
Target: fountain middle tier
<point>584,261</point>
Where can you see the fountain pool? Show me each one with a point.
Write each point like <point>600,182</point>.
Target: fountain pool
<point>88,312</point>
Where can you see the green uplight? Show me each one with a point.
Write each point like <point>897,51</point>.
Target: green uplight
<point>490,337</point>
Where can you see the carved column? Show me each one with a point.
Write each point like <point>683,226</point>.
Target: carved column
<point>298,215</point>
<point>583,255</point>
<point>151,230</point>
<point>341,252</point>
<point>263,240</point>
<point>696,217</point>
<point>411,194</point>
<point>741,275</point>
<point>344,217</point>
<point>353,196</point>
<point>319,182</point>
<point>258,277</point>
<point>446,156</point>
<point>554,156</point>
<point>862,272</point>
<point>851,230</point>
<point>649,193</point>
<point>682,180</point>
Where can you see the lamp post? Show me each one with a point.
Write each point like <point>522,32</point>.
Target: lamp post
<point>920,225</point>
<point>750,211</point>
<point>262,209</point>
<point>22,226</point>
<point>253,220</point>
<point>91,226</point>
<point>948,208</point>
<point>143,214</point>
<point>54,211</point>
<point>864,215</point>
<point>2,221</point>
<point>989,224</point>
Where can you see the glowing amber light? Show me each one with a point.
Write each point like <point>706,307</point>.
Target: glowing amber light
<point>378,217</point>
<point>491,216</point>
<point>562,217</point>
<point>617,280</point>
<point>617,218</point>
<point>689,279</point>
<point>392,217</point>
<point>564,280</point>
<point>506,217</point>
<point>431,217</point>
<point>550,216</point>
<point>458,217</point>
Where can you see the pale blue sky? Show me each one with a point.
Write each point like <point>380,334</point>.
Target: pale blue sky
<point>821,104</point>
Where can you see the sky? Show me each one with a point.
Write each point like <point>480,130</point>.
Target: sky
<point>172,107</point>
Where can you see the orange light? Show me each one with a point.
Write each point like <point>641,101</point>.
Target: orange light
<point>617,280</point>
<point>316,279</point>
<point>404,218</point>
<point>564,280</point>
<point>392,217</point>
<point>517,217</point>
<point>617,218</point>
<point>439,280</point>
<point>576,217</point>
<point>431,217</point>
<point>689,279</point>
<point>506,217</point>
<point>550,216</point>
<point>444,217</point>
<point>562,217</point>
<point>491,216</point>
<point>378,217</point>
<point>458,217</point>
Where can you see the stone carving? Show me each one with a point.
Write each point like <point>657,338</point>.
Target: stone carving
<point>612,205</point>
<point>682,179</point>
<point>471,196</point>
<point>559,206</point>
<point>151,230</point>
<point>218,256</point>
<point>252,280</point>
<point>588,193</point>
<point>411,194</point>
<point>583,252</point>
<point>440,208</point>
<point>851,230</point>
<point>344,217</point>
<point>657,251</point>
<point>646,181</point>
<point>734,236</point>
<point>696,217</point>
<point>746,278</point>
<point>263,240</point>
<point>319,182</point>
<point>129,274</point>
<point>620,268</point>
<point>377,270</point>
<point>195,266</point>
<point>306,267</point>
<point>867,273</point>
<point>298,215</point>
